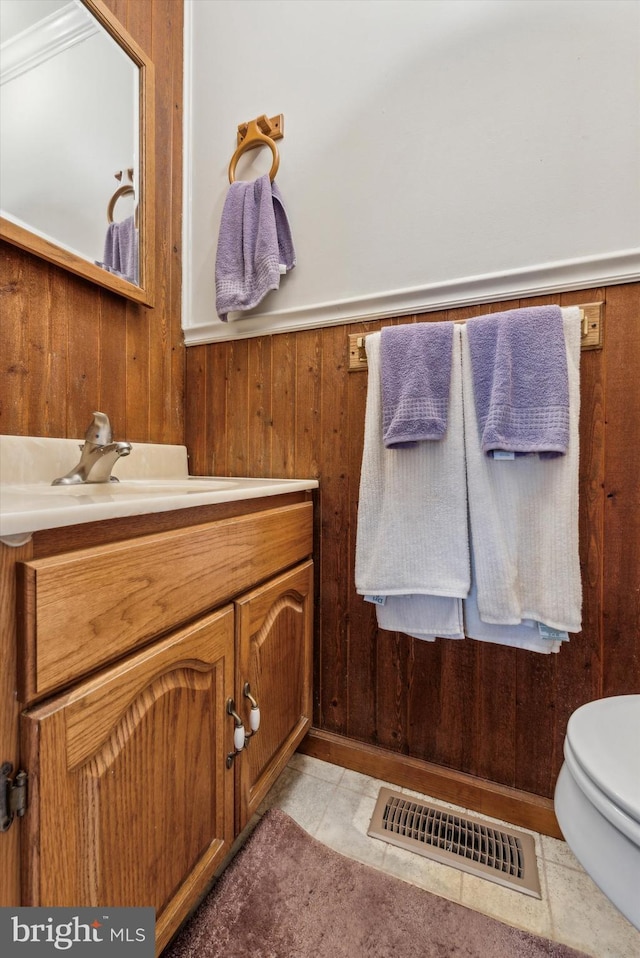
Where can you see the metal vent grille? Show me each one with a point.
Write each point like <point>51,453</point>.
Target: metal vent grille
<point>505,856</point>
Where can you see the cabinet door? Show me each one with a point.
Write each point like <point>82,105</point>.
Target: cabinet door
<point>274,638</point>
<point>131,802</point>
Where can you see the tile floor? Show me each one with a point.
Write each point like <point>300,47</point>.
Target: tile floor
<point>572,910</point>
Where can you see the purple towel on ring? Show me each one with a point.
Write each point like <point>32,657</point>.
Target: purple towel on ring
<point>415,361</point>
<point>254,245</point>
<point>520,381</point>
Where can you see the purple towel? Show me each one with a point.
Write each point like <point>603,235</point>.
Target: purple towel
<point>415,361</point>
<point>520,382</point>
<point>254,245</point>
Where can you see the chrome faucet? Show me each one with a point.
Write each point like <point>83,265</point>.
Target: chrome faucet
<point>98,455</point>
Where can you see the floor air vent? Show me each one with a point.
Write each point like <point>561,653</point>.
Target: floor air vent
<point>504,855</point>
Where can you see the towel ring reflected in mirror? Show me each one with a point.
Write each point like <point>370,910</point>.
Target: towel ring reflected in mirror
<point>251,144</point>
<point>121,191</point>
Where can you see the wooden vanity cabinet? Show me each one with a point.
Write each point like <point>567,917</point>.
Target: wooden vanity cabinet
<point>274,658</point>
<point>135,793</point>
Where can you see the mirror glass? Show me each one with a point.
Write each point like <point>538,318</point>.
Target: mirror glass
<point>71,159</point>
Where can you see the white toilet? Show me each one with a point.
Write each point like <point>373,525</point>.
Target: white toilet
<point>597,797</point>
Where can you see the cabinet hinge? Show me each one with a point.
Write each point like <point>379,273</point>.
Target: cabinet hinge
<point>13,795</point>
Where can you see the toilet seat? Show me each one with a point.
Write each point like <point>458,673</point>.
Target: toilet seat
<point>597,797</point>
<point>626,824</point>
<point>602,750</point>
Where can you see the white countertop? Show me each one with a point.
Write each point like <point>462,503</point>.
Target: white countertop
<point>153,478</point>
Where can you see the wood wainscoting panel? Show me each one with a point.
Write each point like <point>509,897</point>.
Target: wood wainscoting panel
<point>621,599</point>
<point>494,713</point>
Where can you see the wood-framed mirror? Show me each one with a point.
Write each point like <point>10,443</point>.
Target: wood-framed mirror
<point>77,143</point>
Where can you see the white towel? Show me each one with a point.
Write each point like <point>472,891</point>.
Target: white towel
<point>524,517</point>
<point>525,635</point>
<point>412,536</point>
<point>422,616</point>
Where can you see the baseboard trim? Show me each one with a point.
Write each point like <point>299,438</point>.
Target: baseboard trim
<point>476,794</point>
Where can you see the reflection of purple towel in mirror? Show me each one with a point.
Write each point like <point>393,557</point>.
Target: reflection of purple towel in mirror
<point>121,250</point>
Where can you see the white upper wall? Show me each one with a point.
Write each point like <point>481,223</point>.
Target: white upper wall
<point>435,151</point>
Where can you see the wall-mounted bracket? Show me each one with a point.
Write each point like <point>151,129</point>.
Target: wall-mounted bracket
<point>592,323</point>
<point>357,354</point>
<point>592,315</point>
<point>271,126</point>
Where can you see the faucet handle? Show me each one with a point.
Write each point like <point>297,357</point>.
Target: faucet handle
<point>99,432</point>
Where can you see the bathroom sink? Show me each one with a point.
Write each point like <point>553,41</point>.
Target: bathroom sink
<point>27,507</point>
<point>122,489</point>
<point>154,478</point>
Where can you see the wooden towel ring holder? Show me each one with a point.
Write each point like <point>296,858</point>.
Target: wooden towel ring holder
<point>256,133</point>
<point>121,191</point>
<point>125,190</point>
